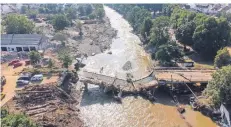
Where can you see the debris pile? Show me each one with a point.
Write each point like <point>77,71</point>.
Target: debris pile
<point>48,105</point>
<point>127,66</point>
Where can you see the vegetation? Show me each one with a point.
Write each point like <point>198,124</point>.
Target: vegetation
<point>15,120</point>
<point>50,63</point>
<point>146,28</point>
<point>100,13</point>
<point>134,14</point>
<point>79,26</point>
<point>24,9</point>
<point>225,15</point>
<point>18,24</point>
<point>51,8</point>
<point>211,36</point>
<point>71,13</point>
<point>65,58</point>
<point>32,14</point>
<point>159,31</point>
<point>205,34</point>
<point>185,32</point>
<point>151,7</point>
<point>219,88</point>
<point>167,9</point>
<point>168,54</point>
<point>34,57</point>
<point>222,58</point>
<point>60,22</point>
<point>85,9</point>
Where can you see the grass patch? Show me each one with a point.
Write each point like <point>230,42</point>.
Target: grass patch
<point>2,96</point>
<point>201,65</point>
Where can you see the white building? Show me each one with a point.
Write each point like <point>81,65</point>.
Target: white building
<point>23,42</point>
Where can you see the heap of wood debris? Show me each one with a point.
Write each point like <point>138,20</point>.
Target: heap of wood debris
<point>47,105</point>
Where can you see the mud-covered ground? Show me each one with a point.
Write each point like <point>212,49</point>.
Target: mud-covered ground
<point>96,38</point>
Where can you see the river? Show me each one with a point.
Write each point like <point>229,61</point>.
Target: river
<point>99,110</point>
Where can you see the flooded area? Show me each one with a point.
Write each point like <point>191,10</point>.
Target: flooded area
<point>99,110</point>
<point>125,47</point>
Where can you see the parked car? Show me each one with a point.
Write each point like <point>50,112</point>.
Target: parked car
<point>13,62</point>
<point>38,77</point>
<point>27,62</point>
<point>17,65</point>
<point>25,77</point>
<point>22,82</point>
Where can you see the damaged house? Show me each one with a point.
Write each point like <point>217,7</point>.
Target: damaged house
<point>23,42</point>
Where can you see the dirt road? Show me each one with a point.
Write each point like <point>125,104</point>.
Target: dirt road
<point>11,76</point>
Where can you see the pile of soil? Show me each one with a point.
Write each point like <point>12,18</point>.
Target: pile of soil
<point>47,105</point>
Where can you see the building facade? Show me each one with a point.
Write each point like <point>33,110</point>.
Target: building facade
<point>23,42</point>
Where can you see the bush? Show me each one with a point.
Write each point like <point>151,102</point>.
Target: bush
<point>60,22</point>
<point>219,88</point>
<point>92,16</point>
<point>18,24</point>
<point>222,58</point>
<point>17,120</point>
<point>34,57</point>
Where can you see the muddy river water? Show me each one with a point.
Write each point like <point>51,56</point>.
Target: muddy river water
<point>99,110</point>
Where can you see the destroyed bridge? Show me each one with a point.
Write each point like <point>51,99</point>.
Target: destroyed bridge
<point>159,76</point>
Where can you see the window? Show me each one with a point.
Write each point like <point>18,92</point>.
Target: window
<point>26,49</point>
<point>32,48</point>
<point>3,48</point>
<point>19,49</point>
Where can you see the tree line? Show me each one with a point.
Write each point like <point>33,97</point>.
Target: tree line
<point>59,15</point>
<point>205,34</point>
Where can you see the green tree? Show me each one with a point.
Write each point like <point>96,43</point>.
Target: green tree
<point>222,58</point>
<point>17,120</point>
<point>65,58</point>
<point>34,57</point>
<point>42,10</point>
<point>211,36</point>
<point>185,32</point>
<point>81,10</point>
<point>60,22</point>
<point>71,13</point>
<point>24,9</point>
<point>135,15</point>
<point>100,13</point>
<point>32,14</point>
<point>168,54</point>
<point>88,9</point>
<point>146,27</point>
<point>167,9</point>
<point>219,88</point>
<point>79,26</point>
<point>92,16</point>
<point>159,31</point>
<point>18,24</point>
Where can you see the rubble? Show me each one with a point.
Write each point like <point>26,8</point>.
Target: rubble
<point>47,105</point>
<point>127,66</point>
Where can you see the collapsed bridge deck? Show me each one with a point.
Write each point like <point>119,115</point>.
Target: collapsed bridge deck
<point>168,76</point>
